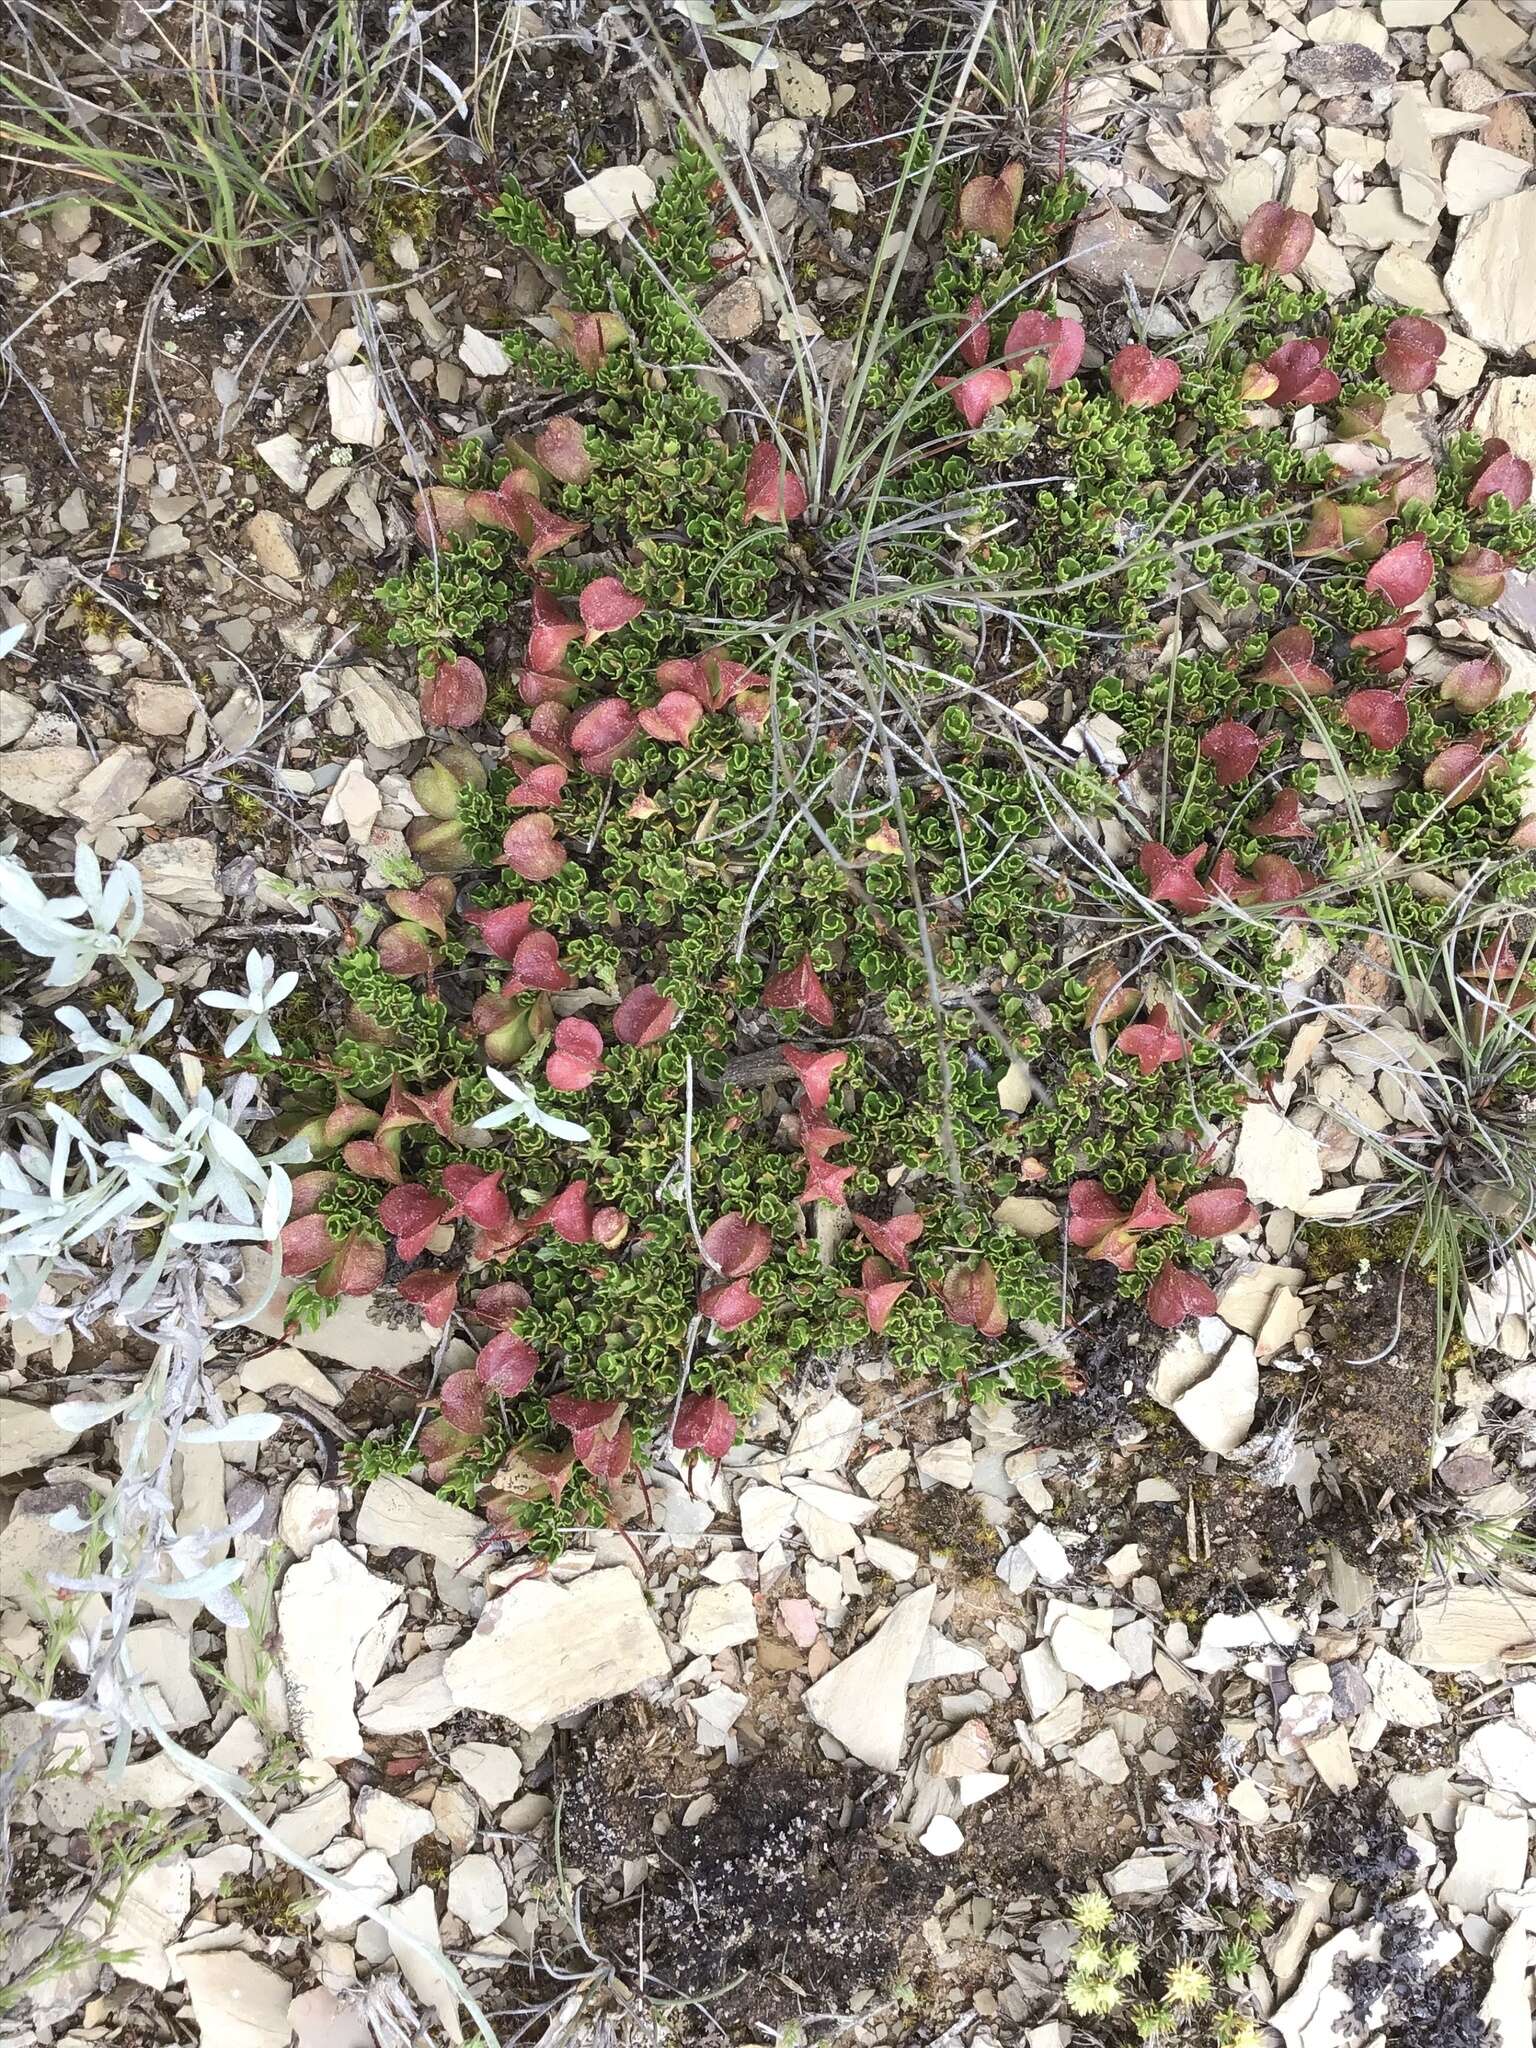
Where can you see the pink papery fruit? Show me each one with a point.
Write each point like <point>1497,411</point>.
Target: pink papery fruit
<point>1411,350</point>
<point>1385,648</point>
<point>877,1293</point>
<point>411,1214</point>
<point>735,1246</point>
<point>1473,685</point>
<point>893,1238</point>
<point>1171,878</point>
<point>730,1305</point>
<point>1380,715</point>
<point>815,1070</point>
<point>530,848</point>
<point>1176,1295</point>
<point>1458,771</point>
<point>975,343</point>
<point>989,206</point>
<point>477,1194</point>
<point>1139,378</point>
<point>1048,338</point>
<point>551,633</point>
<point>577,1057</point>
<point>1404,573</point>
<point>1282,820</point>
<point>770,488</point>
<point>1477,578</point>
<point>1219,1209</point>
<point>673,719</point>
<point>540,785</point>
<point>1288,661</point>
<point>978,394</point>
<point>606,605</point>
<point>1500,474</point>
<point>506,1365</point>
<point>704,1423</point>
<point>970,1296</point>
<point>454,694</point>
<point>644,1016</point>
<point>603,734</point>
<point>504,929</point>
<point>561,448</point>
<point>1301,378</point>
<point>1233,750</point>
<point>568,1214</point>
<point>1277,238</point>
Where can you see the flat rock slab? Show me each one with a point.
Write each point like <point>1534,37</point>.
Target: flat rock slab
<point>543,1651</point>
<point>862,1702</point>
<point>326,1606</point>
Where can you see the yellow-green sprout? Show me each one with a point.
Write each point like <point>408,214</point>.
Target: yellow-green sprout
<point>1187,1986</point>
<point>1090,1959</point>
<point>1124,1959</point>
<point>1092,1995</point>
<point>1092,1912</point>
<point>1153,2022</point>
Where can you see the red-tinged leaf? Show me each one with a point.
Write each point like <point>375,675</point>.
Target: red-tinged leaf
<point>1413,483</point>
<point>975,340</point>
<point>606,605</point>
<point>1502,474</point>
<point>734,1246</point>
<point>1057,342</point>
<point>568,1214</point>
<point>499,1303</point>
<point>1324,534</point>
<point>1152,1043</point>
<point>606,1457</point>
<point>530,848</point>
<point>1150,1211</point>
<point>1365,529</point>
<point>1411,350</point>
<point>770,488</point>
<point>673,719</point>
<point>531,1472</point>
<point>1225,877</point>
<point>877,1293</point>
<point>454,693</point>
<point>704,1423</point>
<point>602,733</point>
<point>825,1182</point>
<point>310,1190</point>
<point>644,1016</point>
<point>1219,1209</point>
<point>405,951</point>
<point>540,785</point>
<point>551,633</point>
<point>462,1400</point>
<point>372,1159</point>
<point>307,1245</point>
<point>1139,378</point>
<point>477,1194</point>
<point>1385,648</point>
<point>535,688</point>
<point>729,1305</point>
<point>1301,378</point>
<point>444,1448</point>
<point>1360,419</point>
<point>1233,750</point>
<point>1282,820</point>
<point>1288,659</point>
<point>1278,880</point>
<point>1256,384</point>
<point>1523,838</point>
<point>1176,1295</point>
<point>1381,715</point>
<point>358,1268</point>
<point>893,1238</point>
<point>1473,685</point>
<point>1477,578</point>
<point>506,1365</point>
<point>503,929</point>
<point>577,1057</point>
<point>573,1412</point>
<point>976,395</point>
<point>815,1070</point>
<point>970,1298</point>
<point>1277,238</point>
<point>1458,771</point>
<point>536,964</point>
<point>435,1291</point>
<point>430,905</point>
<point>589,336</point>
<point>441,512</point>
<point>799,988</point>
<point>1110,995</point>
<point>1171,878</point>
<point>410,1214</point>
<point>504,509</point>
<point>1403,573</point>
<point>1091,1211</point>
<point>818,1139</point>
<point>989,206</point>
<point>547,530</point>
<point>561,448</point>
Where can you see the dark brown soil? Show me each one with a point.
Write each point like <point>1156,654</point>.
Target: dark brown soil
<point>784,1899</point>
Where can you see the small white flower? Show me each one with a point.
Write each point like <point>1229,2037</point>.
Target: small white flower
<point>13,1047</point>
<point>104,1052</point>
<point>265,989</point>
<point>521,1108</point>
